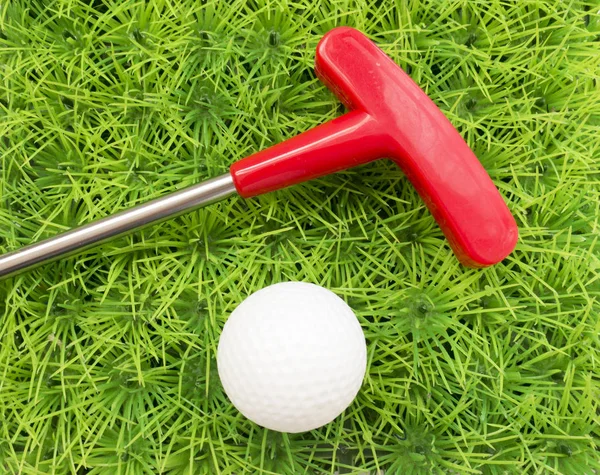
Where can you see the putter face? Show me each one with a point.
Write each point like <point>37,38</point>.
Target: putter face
<point>390,117</point>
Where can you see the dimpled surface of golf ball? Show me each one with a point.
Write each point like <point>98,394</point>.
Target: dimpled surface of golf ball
<point>292,357</point>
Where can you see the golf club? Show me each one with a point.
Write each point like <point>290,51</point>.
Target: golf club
<point>389,117</point>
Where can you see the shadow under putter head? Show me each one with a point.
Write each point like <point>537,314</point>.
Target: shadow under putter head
<point>389,117</point>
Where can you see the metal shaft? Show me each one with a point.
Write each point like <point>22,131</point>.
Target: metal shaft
<point>124,222</point>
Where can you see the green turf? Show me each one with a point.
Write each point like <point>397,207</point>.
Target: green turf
<point>107,360</point>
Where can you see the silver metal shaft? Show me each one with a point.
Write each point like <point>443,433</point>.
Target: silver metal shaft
<point>104,229</point>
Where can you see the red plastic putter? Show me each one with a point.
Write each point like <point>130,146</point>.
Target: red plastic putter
<point>390,117</point>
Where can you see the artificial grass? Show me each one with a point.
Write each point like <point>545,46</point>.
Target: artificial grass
<point>107,360</point>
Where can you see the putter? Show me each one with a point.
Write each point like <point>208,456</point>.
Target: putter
<point>389,117</point>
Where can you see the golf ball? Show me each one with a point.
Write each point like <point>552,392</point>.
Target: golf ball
<point>292,357</point>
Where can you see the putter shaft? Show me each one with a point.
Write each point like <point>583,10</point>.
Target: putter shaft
<point>92,234</point>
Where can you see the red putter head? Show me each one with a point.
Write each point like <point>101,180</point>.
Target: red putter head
<point>390,117</point>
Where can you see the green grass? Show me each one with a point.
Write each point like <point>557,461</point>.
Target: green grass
<point>107,360</point>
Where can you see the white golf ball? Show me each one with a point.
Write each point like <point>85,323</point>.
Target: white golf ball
<point>292,357</point>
